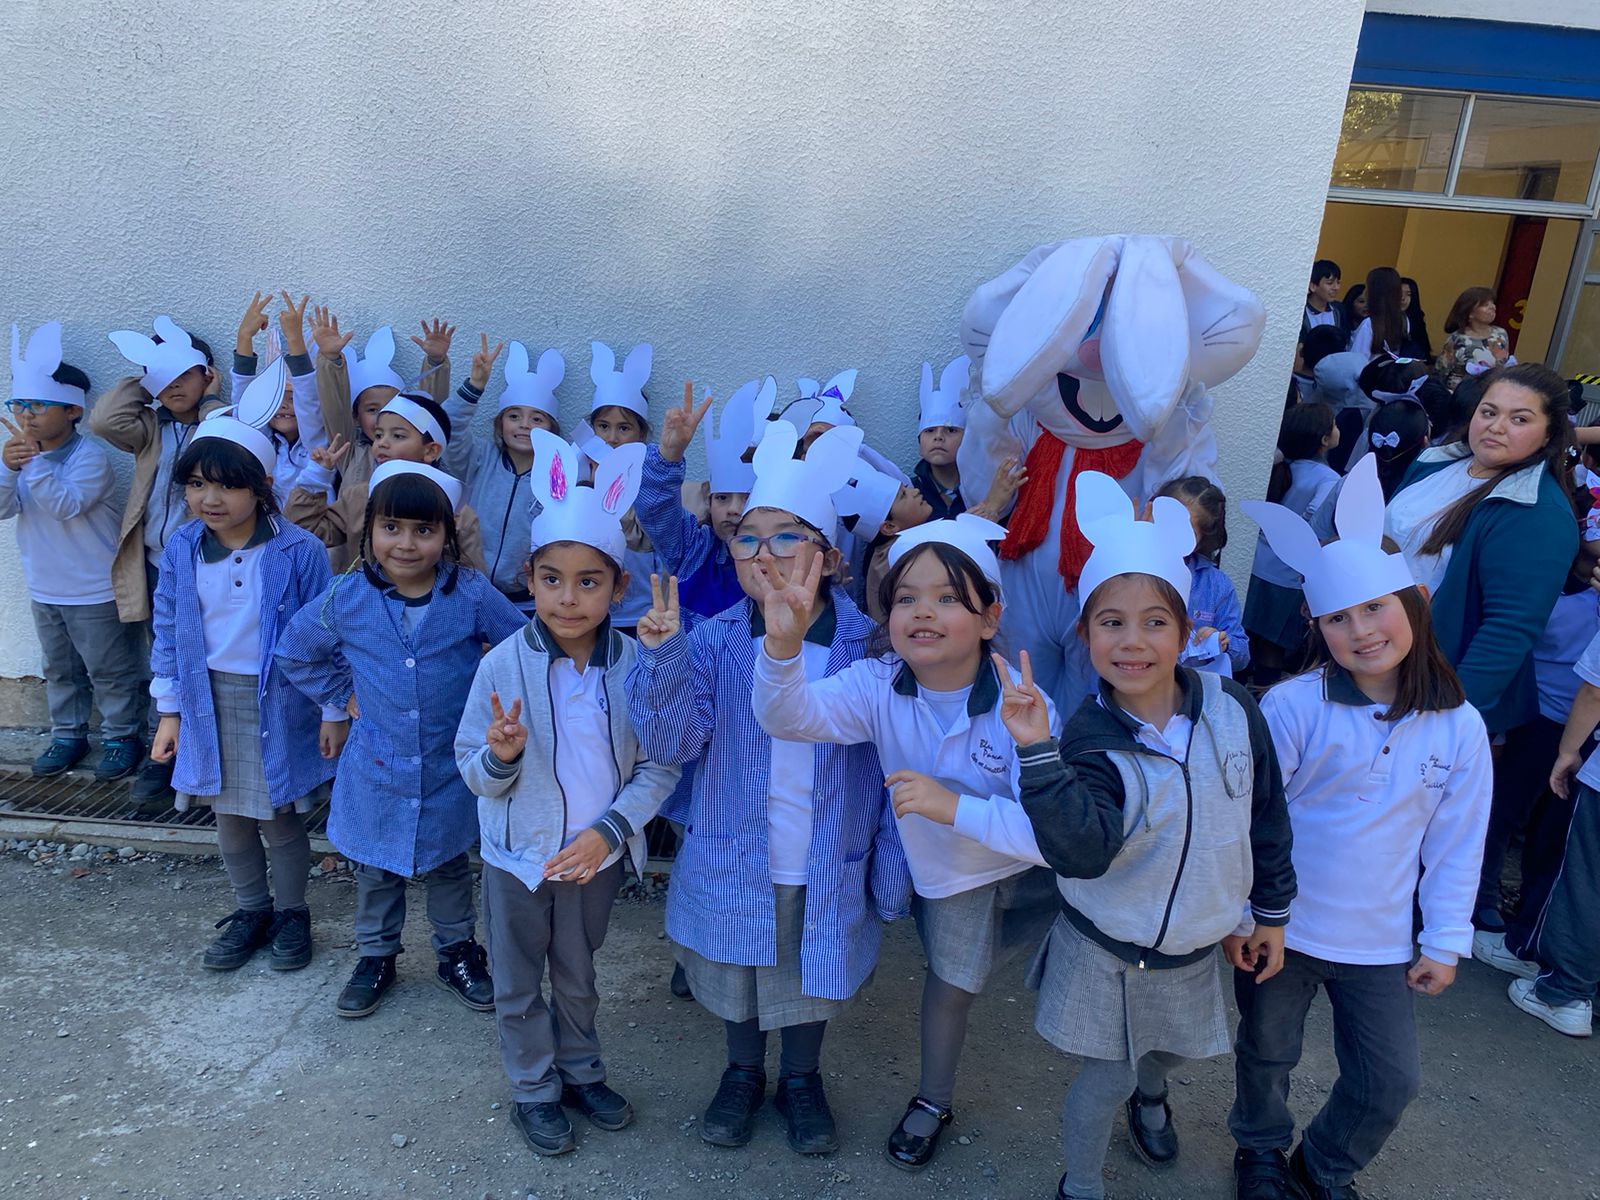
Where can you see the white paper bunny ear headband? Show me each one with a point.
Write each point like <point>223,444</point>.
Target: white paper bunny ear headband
<point>446,483</point>
<point>624,388</point>
<point>725,449</point>
<point>535,388</point>
<point>375,366</point>
<point>1124,545</point>
<point>969,534</point>
<point>1353,569</point>
<point>943,407</point>
<point>261,398</point>
<point>590,516</point>
<point>868,497</point>
<point>162,361</point>
<point>31,372</point>
<point>804,486</point>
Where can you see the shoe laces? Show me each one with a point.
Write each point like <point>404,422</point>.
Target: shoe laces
<point>805,1097</point>
<point>370,966</point>
<point>238,916</point>
<point>740,1090</point>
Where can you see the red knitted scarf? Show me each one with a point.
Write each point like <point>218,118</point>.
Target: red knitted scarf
<point>1030,521</point>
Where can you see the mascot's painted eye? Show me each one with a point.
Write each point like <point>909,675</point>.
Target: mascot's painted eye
<point>1103,421</point>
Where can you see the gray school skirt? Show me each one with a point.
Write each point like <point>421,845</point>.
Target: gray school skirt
<point>244,781</point>
<point>1093,1004</point>
<point>769,995</point>
<point>969,935</point>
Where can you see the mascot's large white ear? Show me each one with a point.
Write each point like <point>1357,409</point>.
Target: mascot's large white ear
<point>1225,320</point>
<point>1044,322</point>
<point>1143,353</point>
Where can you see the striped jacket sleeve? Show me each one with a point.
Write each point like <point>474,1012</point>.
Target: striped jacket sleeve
<point>670,695</point>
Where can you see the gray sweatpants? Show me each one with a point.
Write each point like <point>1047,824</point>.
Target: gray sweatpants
<point>381,906</point>
<point>90,656</point>
<point>544,1044</point>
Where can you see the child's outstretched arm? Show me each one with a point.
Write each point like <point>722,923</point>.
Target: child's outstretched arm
<point>435,342</point>
<point>462,406</point>
<point>122,417</point>
<point>302,372</point>
<point>311,504</point>
<point>333,377</point>
<point>1452,856</point>
<point>680,541</point>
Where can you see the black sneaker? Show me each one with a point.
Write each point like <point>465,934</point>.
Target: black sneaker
<point>1310,1189</point>
<point>1264,1175</point>
<point>1158,1147</point>
<point>545,1126</point>
<point>464,973</point>
<point>152,787</point>
<point>730,1117</point>
<point>374,975</point>
<point>243,933</point>
<point>62,755</point>
<point>121,758</point>
<point>804,1106</point>
<point>291,939</point>
<point>605,1108</point>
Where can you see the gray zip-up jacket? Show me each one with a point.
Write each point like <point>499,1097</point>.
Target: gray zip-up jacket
<point>1157,860</point>
<point>500,495</point>
<point>522,813</point>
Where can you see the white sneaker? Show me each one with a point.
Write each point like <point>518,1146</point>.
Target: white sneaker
<point>1491,948</point>
<point>1575,1019</point>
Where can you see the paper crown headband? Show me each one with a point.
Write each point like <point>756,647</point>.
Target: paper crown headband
<point>943,407</point>
<point>535,388</point>
<point>419,418</point>
<point>375,365</point>
<point>804,486</point>
<point>590,516</point>
<point>446,483</point>
<point>624,388</point>
<point>735,434</point>
<point>162,361</point>
<point>1350,571</point>
<point>1124,545</point>
<point>868,497</point>
<point>969,534</point>
<point>31,373</point>
<point>820,402</point>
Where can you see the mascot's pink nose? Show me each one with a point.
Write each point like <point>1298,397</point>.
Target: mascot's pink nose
<point>1089,354</point>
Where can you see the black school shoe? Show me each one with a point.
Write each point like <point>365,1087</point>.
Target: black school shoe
<point>243,933</point>
<point>1310,1189</point>
<point>464,973</point>
<point>804,1106</point>
<point>1264,1175</point>
<point>1158,1147</point>
<point>121,758</point>
<point>291,939</point>
<point>910,1151</point>
<point>729,1119</point>
<point>374,975</point>
<point>60,755</point>
<point>544,1127</point>
<point>605,1108</point>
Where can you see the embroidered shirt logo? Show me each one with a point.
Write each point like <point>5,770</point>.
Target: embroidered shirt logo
<point>987,758</point>
<point>1434,773</point>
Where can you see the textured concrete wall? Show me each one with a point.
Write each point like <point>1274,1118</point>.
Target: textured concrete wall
<point>793,189</point>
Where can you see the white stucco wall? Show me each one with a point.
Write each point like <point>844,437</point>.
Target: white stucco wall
<point>790,189</point>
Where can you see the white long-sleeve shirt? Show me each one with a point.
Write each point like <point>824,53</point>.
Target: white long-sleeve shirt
<point>66,524</point>
<point>1373,805</point>
<point>882,703</point>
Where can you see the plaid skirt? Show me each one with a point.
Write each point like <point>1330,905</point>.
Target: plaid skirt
<point>1093,1004</point>
<point>770,995</point>
<point>244,782</point>
<point>970,934</point>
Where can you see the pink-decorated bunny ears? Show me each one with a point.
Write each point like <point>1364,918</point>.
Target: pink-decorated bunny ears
<point>591,516</point>
<point>804,486</point>
<point>1350,571</point>
<point>162,361</point>
<point>31,372</point>
<point>1124,545</point>
<point>535,388</point>
<point>624,388</point>
<point>943,407</point>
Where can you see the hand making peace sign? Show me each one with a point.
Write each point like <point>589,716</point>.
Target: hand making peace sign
<point>677,428</point>
<point>662,622</point>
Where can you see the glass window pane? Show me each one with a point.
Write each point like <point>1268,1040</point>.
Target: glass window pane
<point>1582,353</point>
<point>1396,141</point>
<point>1530,150</point>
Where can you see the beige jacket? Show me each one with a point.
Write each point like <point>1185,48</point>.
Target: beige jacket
<point>126,418</point>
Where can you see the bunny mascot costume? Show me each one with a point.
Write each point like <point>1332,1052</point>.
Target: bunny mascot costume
<point>1092,354</point>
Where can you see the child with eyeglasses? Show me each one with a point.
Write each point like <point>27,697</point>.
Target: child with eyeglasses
<point>60,488</point>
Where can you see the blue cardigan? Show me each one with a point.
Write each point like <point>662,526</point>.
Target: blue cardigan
<point>1499,586</point>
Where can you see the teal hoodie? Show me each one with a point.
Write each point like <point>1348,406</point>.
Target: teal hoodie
<point>1500,584</point>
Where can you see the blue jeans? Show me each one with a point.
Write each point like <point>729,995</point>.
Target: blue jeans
<point>1374,1039</point>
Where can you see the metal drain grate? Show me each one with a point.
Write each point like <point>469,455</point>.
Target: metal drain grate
<point>79,796</point>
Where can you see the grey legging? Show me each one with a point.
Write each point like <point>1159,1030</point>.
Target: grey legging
<point>289,847</point>
<point>1102,1086</point>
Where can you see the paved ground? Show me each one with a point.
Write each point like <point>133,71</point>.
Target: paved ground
<point>128,1071</point>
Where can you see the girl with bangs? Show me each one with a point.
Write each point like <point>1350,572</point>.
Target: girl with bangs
<point>398,645</point>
